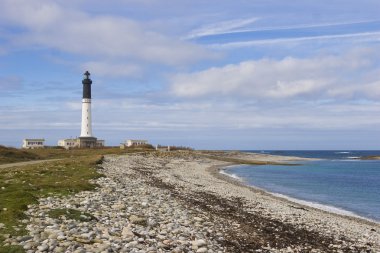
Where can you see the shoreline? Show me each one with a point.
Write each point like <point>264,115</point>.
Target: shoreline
<point>315,205</point>
<point>179,202</point>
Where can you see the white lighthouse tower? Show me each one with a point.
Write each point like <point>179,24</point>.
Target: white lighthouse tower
<point>86,129</point>
<point>86,139</point>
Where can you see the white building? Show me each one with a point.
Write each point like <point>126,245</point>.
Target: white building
<point>33,143</point>
<point>131,143</point>
<point>100,143</point>
<point>75,143</point>
<point>68,143</point>
<point>162,148</point>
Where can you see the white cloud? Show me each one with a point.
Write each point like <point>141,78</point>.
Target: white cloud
<point>366,90</point>
<point>55,26</point>
<point>113,69</point>
<point>351,74</point>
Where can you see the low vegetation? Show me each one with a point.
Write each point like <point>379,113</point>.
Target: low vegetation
<point>21,186</point>
<point>71,214</point>
<point>371,157</point>
<point>175,148</point>
<point>11,155</point>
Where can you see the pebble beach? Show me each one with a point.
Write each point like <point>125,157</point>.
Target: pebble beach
<point>179,202</point>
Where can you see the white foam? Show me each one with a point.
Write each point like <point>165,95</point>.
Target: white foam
<point>327,208</point>
<point>343,152</point>
<point>323,207</point>
<point>231,175</point>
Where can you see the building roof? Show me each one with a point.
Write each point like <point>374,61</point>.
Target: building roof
<point>34,139</point>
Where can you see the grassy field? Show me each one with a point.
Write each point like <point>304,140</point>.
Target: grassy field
<point>24,185</point>
<point>12,155</point>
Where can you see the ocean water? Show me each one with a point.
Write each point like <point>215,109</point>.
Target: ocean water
<point>339,183</point>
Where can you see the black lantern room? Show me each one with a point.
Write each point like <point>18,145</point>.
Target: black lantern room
<point>87,85</point>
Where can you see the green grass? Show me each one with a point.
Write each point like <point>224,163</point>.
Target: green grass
<point>11,249</point>
<point>11,155</point>
<point>70,214</point>
<point>22,186</point>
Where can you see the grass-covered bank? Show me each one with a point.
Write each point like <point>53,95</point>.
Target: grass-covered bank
<point>21,186</point>
<point>13,155</point>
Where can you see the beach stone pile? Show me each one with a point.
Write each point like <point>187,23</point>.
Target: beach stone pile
<point>162,202</point>
<point>122,215</point>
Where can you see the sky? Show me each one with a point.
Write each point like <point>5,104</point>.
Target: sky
<point>216,74</point>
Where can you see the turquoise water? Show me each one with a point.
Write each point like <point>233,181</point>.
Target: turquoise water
<point>339,181</point>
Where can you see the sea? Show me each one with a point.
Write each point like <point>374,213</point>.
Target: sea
<point>339,182</point>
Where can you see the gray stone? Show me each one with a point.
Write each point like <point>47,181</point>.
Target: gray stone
<point>202,250</point>
<point>43,247</point>
<point>28,245</point>
<point>138,220</point>
<point>127,232</point>
<point>199,243</point>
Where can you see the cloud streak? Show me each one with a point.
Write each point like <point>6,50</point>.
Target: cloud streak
<point>354,37</point>
<point>297,33</point>
<point>223,27</point>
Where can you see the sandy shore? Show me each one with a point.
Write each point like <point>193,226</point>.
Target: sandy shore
<point>179,202</point>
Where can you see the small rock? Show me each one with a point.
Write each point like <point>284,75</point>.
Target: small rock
<point>61,237</point>
<point>127,232</point>
<point>202,250</point>
<point>138,220</point>
<point>28,245</point>
<point>43,247</point>
<point>199,243</point>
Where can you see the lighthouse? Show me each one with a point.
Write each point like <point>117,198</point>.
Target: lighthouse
<point>86,139</point>
<point>86,129</point>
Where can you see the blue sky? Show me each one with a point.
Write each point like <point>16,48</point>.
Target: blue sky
<point>207,74</point>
